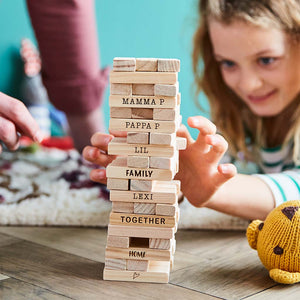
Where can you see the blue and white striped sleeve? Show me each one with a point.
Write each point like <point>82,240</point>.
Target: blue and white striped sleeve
<point>285,186</point>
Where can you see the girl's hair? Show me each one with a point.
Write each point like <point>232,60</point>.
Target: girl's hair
<point>231,115</point>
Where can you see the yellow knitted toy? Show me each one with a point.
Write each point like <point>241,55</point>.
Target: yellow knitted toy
<point>277,241</point>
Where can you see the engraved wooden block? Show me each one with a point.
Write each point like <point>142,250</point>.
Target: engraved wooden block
<point>181,143</point>
<point>143,102</point>
<point>120,112</point>
<point>141,231</point>
<point>144,208</point>
<point>158,272</point>
<point>118,241</point>
<point>120,89</point>
<point>141,185</point>
<point>165,209</point>
<point>143,89</point>
<point>124,64</point>
<point>166,163</point>
<point>144,77</point>
<point>137,138</point>
<point>118,169</point>
<point>138,161</point>
<point>137,265</point>
<point>142,113</point>
<point>115,264</point>
<point>162,139</point>
<point>166,90</point>
<point>124,219</point>
<point>164,244</point>
<point>117,184</point>
<point>135,125</point>
<point>125,207</point>
<point>168,65</point>
<point>146,64</point>
<point>119,146</point>
<point>167,114</point>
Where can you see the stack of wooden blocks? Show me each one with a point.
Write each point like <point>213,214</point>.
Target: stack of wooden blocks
<point>145,103</point>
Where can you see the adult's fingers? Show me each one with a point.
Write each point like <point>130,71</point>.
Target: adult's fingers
<point>16,112</point>
<point>94,155</point>
<point>101,140</point>
<point>8,134</point>
<point>98,175</point>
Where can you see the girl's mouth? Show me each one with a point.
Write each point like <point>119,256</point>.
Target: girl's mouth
<point>256,99</point>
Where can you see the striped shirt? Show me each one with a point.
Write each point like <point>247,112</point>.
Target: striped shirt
<point>277,170</point>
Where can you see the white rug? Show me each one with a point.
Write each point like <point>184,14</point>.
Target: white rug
<point>52,187</point>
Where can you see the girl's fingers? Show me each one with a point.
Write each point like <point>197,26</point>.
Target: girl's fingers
<point>183,132</point>
<point>8,134</point>
<point>101,140</point>
<point>15,111</point>
<point>205,127</point>
<point>98,175</point>
<point>225,172</point>
<point>94,155</point>
<point>218,147</point>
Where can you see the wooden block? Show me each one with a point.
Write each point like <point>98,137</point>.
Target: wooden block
<point>144,208</point>
<point>168,65</point>
<point>115,264</point>
<point>141,231</point>
<point>120,89</point>
<point>137,265</point>
<point>158,272</point>
<point>146,101</point>
<point>117,241</point>
<point>167,114</point>
<point>166,163</point>
<point>137,138</point>
<point>137,253</point>
<point>135,125</point>
<point>166,90</point>
<point>166,210</point>
<point>142,113</point>
<point>180,143</point>
<point>178,97</point>
<point>124,64</point>
<point>119,146</point>
<point>143,89</point>
<point>144,77</point>
<point>141,185</point>
<point>162,139</point>
<point>120,112</point>
<point>137,161</point>
<point>164,244</point>
<point>118,169</point>
<point>167,195</point>
<point>146,64</point>
<point>129,220</point>
<point>123,207</point>
<point>117,184</point>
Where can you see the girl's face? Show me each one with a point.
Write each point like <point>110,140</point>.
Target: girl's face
<point>260,65</point>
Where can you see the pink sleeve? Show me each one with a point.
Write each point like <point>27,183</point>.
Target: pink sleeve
<point>67,38</point>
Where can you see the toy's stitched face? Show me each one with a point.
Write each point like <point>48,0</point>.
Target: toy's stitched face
<point>278,242</point>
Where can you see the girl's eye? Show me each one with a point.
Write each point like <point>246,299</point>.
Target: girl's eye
<point>227,64</point>
<point>265,61</point>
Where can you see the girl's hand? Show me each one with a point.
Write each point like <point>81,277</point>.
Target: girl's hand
<point>97,153</point>
<point>14,119</point>
<point>199,170</point>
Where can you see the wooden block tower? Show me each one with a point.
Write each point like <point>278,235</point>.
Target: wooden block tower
<point>145,103</point>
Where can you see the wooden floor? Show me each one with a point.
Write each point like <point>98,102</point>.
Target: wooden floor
<point>67,263</point>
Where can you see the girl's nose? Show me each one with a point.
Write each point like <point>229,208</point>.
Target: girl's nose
<point>249,81</point>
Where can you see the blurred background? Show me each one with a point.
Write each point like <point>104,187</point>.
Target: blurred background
<point>135,28</point>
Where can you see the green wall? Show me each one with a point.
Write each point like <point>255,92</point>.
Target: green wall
<point>135,28</point>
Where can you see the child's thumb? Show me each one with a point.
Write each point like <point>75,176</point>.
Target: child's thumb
<point>183,132</point>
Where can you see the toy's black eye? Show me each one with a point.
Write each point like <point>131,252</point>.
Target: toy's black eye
<point>260,226</point>
<point>278,250</point>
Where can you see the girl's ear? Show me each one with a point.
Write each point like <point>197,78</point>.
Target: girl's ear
<point>253,231</point>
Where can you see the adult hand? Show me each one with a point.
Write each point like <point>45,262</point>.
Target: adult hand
<point>199,170</point>
<point>14,119</point>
